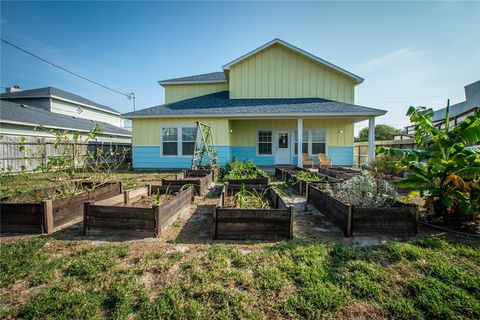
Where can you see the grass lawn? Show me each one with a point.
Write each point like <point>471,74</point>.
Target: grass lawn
<point>431,278</point>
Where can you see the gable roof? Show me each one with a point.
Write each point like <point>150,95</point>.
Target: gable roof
<point>212,77</point>
<point>277,41</point>
<point>472,101</point>
<point>219,105</point>
<point>51,92</point>
<point>26,115</point>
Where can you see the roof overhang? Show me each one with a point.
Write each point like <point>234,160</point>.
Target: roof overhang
<point>357,79</point>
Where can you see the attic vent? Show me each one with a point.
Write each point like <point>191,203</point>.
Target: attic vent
<point>79,110</point>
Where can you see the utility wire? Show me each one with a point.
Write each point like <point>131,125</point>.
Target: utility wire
<point>128,95</point>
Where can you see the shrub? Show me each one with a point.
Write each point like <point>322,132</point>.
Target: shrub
<point>242,170</point>
<point>363,191</point>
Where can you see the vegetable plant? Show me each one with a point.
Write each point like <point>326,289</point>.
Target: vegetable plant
<point>245,199</point>
<point>242,170</point>
<point>446,169</point>
<point>305,176</point>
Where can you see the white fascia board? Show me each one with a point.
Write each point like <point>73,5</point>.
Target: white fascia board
<point>58,128</point>
<point>358,79</point>
<point>162,83</point>
<point>264,115</point>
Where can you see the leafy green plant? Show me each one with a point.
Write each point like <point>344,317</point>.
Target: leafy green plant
<point>365,192</point>
<point>245,199</point>
<point>305,176</point>
<point>446,171</point>
<point>242,170</point>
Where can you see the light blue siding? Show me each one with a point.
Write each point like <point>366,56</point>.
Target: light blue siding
<point>151,158</point>
<point>341,155</point>
<point>250,153</point>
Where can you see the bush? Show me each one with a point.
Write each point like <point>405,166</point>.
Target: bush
<point>242,170</point>
<point>364,192</point>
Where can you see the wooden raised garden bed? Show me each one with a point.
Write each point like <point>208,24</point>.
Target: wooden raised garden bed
<point>289,175</point>
<point>135,212</point>
<point>343,173</point>
<point>28,216</point>
<point>200,179</point>
<point>232,223</point>
<point>263,181</point>
<point>399,220</point>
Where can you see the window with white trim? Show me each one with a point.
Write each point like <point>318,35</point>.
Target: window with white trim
<point>265,142</point>
<point>304,139</point>
<point>178,141</point>
<point>188,140</point>
<point>319,141</point>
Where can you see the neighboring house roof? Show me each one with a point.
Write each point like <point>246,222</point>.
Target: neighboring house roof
<point>219,105</point>
<point>472,95</point>
<point>51,92</point>
<point>277,41</point>
<point>21,114</point>
<point>212,77</point>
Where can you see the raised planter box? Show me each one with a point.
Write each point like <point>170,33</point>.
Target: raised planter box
<point>300,186</point>
<point>256,224</point>
<point>399,220</point>
<point>264,181</point>
<point>202,173</point>
<point>46,216</point>
<point>113,216</point>
<point>339,172</point>
<point>201,181</point>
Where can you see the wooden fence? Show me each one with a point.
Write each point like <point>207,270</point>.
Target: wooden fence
<point>18,155</point>
<point>361,148</point>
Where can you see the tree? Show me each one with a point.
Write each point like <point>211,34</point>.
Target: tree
<point>382,132</point>
<point>446,169</point>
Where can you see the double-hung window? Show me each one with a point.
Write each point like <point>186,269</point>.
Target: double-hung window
<point>178,141</point>
<point>304,141</point>
<point>265,142</point>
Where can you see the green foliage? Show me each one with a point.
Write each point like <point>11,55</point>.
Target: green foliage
<point>446,171</point>
<point>305,176</point>
<point>241,170</point>
<point>382,132</point>
<point>364,192</point>
<point>246,199</point>
<point>388,165</point>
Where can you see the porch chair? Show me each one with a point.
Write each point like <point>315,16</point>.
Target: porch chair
<point>323,161</point>
<point>306,161</point>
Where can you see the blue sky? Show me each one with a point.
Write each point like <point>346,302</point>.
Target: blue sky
<point>410,53</point>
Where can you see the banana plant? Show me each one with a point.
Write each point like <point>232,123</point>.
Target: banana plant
<point>445,170</point>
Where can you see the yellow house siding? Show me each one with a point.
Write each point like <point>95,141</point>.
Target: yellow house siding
<point>244,132</point>
<point>146,132</point>
<point>278,72</point>
<point>179,92</point>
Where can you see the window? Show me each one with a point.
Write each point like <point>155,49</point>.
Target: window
<point>188,140</point>
<point>264,142</point>
<point>170,137</point>
<point>305,142</point>
<point>319,139</point>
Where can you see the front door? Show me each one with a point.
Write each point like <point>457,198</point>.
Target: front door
<point>282,148</point>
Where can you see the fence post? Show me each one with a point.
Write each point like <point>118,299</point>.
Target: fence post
<point>348,232</point>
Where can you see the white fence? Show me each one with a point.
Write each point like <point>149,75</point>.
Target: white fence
<point>26,154</point>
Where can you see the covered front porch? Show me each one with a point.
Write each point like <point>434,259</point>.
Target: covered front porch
<point>274,141</point>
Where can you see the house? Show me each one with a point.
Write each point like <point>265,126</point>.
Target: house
<point>24,110</point>
<point>23,120</point>
<point>457,112</point>
<point>258,107</point>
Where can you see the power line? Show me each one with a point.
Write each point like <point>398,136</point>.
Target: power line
<point>128,95</point>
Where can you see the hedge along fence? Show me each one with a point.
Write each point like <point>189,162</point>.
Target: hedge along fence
<point>46,216</point>
<point>254,224</point>
<point>200,181</point>
<point>399,220</point>
<point>300,186</point>
<point>112,216</point>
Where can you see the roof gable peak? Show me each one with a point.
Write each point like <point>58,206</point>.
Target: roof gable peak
<point>285,44</point>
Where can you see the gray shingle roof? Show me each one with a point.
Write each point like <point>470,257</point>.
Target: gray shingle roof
<point>216,104</point>
<point>51,91</point>
<point>10,111</point>
<point>472,95</point>
<point>206,77</point>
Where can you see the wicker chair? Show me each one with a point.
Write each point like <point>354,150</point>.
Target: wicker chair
<point>323,161</point>
<point>306,161</point>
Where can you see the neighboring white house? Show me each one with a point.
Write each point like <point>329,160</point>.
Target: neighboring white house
<point>24,110</point>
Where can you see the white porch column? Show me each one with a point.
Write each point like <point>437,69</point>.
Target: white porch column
<point>371,139</point>
<point>300,142</point>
